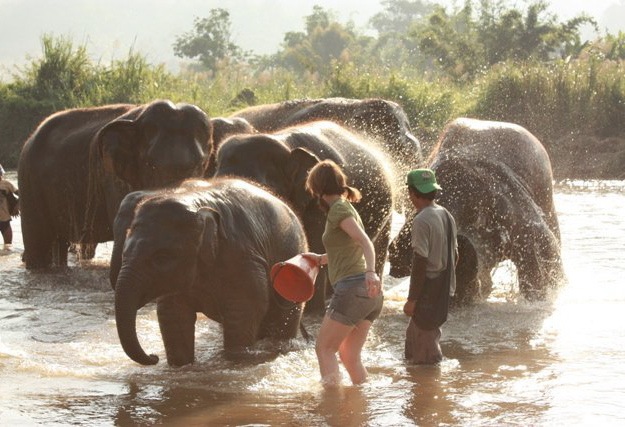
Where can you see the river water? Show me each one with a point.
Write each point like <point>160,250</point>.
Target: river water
<point>507,362</point>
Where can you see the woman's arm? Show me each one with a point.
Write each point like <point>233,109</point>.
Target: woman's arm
<point>351,227</point>
<point>353,230</point>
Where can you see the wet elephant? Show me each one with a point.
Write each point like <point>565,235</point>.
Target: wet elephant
<point>497,182</point>
<point>379,120</point>
<point>78,165</point>
<point>281,161</point>
<point>204,247</point>
<point>223,127</point>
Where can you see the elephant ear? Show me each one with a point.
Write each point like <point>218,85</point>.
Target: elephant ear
<point>212,233</point>
<point>123,220</point>
<point>119,151</point>
<point>300,161</point>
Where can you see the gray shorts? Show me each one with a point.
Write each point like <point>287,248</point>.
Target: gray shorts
<point>350,303</point>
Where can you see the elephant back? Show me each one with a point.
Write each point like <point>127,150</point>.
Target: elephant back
<point>500,142</point>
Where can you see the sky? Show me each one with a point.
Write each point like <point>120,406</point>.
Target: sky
<point>110,28</point>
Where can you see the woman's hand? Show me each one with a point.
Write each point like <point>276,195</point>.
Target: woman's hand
<point>374,285</point>
<point>319,259</point>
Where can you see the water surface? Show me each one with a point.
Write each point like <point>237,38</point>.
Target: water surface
<point>507,362</point>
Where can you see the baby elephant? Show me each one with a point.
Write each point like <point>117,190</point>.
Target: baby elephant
<point>205,246</point>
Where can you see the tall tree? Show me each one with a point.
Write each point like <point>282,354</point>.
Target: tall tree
<point>324,42</point>
<point>210,41</point>
<point>392,48</point>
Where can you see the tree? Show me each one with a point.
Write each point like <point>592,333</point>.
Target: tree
<point>392,48</point>
<point>470,40</point>
<point>210,41</point>
<point>324,42</point>
<point>399,15</point>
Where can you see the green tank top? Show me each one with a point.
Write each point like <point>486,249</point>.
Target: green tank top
<point>345,256</point>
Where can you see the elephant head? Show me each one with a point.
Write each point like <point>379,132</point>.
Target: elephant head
<point>223,127</point>
<point>155,145</point>
<point>269,162</point>
<point>162,252</point>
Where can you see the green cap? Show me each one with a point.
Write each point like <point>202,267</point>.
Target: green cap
<point>423,180</point>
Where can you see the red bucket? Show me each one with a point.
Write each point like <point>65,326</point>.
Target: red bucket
<point>294,279</point>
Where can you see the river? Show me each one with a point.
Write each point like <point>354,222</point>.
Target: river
<point>507,362</point>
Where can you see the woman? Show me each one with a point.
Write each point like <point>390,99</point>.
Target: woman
<point>350,256</point>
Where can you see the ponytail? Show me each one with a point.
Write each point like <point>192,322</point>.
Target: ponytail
<point>353,194</point>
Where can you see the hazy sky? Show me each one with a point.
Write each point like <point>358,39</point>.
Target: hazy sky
<point>109,28</point>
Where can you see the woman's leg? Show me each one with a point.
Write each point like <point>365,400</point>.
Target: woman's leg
<point>331,335</point>
<point>351,350</point>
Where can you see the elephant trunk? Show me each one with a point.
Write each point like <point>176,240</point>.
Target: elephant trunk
<point>127,302</point>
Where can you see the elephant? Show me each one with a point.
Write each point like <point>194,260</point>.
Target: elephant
<point>379,120</point>
<point>281,161</point>
<point>78,165</point>
<point>223,127</point>
<point>498,184</point>
<point>204,246</point>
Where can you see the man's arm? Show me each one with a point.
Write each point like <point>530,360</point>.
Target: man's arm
<point>417,280</point>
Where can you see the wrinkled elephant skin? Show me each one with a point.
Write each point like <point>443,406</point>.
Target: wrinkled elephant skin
<point>381,121</point>
<point>281,161</point>
<point>204,247</point>
<point>497,182</point>
<point>79,164</point>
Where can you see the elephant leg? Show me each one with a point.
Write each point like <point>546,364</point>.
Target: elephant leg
<point>243,311</point>
<point>282,321</point>
<point>241,331</point>
<point>467,268</point>
<point>60,248</point>
<point>86,251</point>
<point>316,305</point>
<point>538,263</point>
<point>314,225</point>
<point>176,319</point>
<point>400,252</point>
<point>484,283</point>
<point>381,244</point>
<point>38,238</point>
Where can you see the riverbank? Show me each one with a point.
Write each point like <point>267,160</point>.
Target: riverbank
<point>588,157</point>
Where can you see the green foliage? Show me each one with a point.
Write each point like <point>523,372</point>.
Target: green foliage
<point>315,51</point>
<point>63,76</point>
<point>488,62</point>
<point>210,41</point>
<point>428,105</point>
<point>468,42</point>
<point>556,99</point>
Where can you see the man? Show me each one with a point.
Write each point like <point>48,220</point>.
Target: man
<point>5,215</point>
<point>433,279</point>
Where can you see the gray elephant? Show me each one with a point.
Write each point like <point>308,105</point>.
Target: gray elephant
<point>78,165</point>
<point>379,120</point>
<point>208,247</point>
<point>281,161</point>
<point>223,127</point>
<point>497,182</point>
